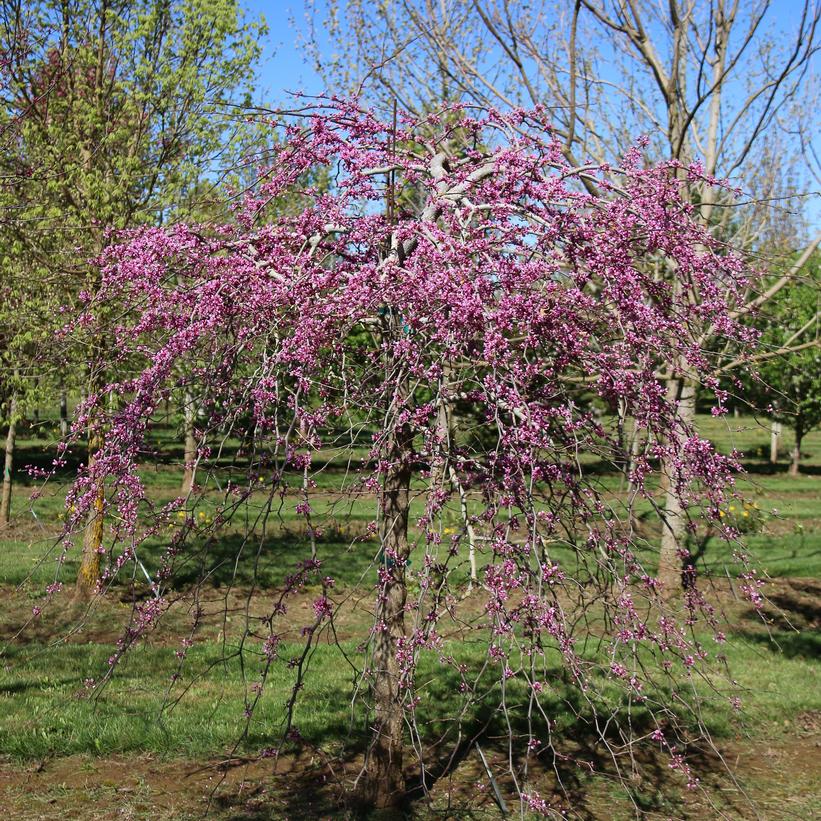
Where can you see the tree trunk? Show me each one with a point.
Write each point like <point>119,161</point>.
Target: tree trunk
<point>632,489</point>
<point>385,784</point>
<point>471,533</point>
<point>775,436</point>
<point>190,445</point>
<point>445,424</point>
<point>63,413</point>
<point>795,462</point>
<point>5,502</point>
<point>674,526</point>
<point>89,573</point>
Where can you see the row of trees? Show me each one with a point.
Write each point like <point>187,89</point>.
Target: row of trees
<point>113,115</point>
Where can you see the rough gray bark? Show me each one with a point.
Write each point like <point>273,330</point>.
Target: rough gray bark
<point>384,779</point>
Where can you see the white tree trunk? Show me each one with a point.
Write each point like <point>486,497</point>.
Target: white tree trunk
<point>8,467</point>
<point>775,437</point>
<point>674,525</point>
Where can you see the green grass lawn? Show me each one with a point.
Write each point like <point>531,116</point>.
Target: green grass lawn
<point>46,713</point>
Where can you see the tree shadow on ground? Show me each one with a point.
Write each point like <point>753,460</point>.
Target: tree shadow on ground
<point>768,469</point>
<point>581,777</point>
<point>790,621</point>
<point>233,560</point>
<point>792,645</point>
<point>800,599</point>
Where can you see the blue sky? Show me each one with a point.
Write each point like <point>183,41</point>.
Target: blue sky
<point>285,65</point>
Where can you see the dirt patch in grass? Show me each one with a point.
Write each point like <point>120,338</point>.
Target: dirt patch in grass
<point>144,787</point>
<point>774,780</point>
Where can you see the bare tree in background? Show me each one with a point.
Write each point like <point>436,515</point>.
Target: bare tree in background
<point>720,80</point>
<point>726,82</point>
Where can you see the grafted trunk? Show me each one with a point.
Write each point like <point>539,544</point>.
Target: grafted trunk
<point>674,526</point>
<point>385,784</point>
<point>89,573</point>
<point>190,445</point>
<point>8,466</point>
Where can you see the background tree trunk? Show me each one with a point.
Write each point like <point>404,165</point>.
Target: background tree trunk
<point>446,471</point>
<point>190,445</point>
<point>775,436</point>
<point>63,413</point>
<point>89,573</point>
<point>471,533</point>
<point>8,466</point>
<point>795,462</point>
<point>674,526</point>
<point>636,445</point>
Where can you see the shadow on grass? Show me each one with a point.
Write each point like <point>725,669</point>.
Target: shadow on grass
<point>793,614</point>
<point>801,600</point>
<point>768,469</point>
<point>237,561</point>
<point>801,644</point>
<point>164,448</point>
<point>581,776</point>
<point>18,687</point>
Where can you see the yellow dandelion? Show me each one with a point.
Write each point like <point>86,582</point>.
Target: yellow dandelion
<point>202,515</point>
<point>447,531</point>
<point>722,513</point>
<point>732,508</point>
<point>746,513</point>
<point>181,514</point>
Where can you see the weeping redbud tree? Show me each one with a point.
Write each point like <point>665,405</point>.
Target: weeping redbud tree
<point>444,318</point>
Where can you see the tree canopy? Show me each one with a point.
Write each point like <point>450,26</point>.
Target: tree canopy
<point>367,331</point>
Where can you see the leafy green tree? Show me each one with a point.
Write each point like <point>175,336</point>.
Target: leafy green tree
<point>790,382</point>
<point>121,112</point>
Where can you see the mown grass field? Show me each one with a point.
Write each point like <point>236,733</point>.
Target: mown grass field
<point>136,750</point>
